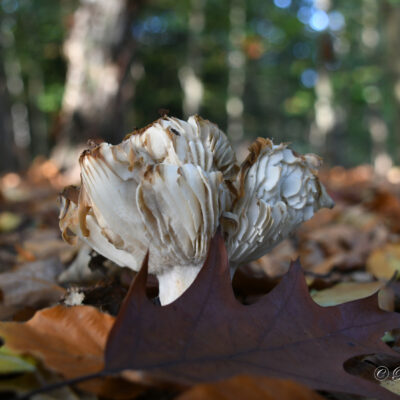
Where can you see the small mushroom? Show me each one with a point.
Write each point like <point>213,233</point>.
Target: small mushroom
<point>167,188</point>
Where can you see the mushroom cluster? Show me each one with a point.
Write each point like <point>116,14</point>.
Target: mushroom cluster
<point>167,187</point>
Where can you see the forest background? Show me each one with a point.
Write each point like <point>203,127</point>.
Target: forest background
<point>321,74</point>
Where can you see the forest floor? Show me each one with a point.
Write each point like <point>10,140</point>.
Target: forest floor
<point>347,253</point>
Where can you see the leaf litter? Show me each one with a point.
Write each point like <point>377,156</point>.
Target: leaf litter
<point>334,247</point>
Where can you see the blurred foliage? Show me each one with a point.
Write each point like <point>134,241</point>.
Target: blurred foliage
<point>32,34</point>
<point>288,45</point>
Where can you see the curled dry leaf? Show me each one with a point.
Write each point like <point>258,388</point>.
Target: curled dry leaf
<point>207,335</point>
<point>70,341</point>
<point>175,182</point>
<point>250,388</point>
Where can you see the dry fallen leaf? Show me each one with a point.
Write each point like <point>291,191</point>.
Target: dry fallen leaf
<point>344,292</point>
<point>81,329</point>
<point>348,185</point>
<point>46,243</point>
<point>387,204</point>
<point>10,362</point>
<point>338,245</point>
<point>30,285</point>
<point>70,341</point>
<point>207,335</point>
<point>385,261</point>
<point>348,291</point>
<point>392,385</point>
<point>250,388</point>
<point>276,262</point>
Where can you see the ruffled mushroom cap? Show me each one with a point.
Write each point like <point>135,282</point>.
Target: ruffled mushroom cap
<point>168,186</point>
<point>197,141</point>
<point>277,191</point>
<point>161,189</point>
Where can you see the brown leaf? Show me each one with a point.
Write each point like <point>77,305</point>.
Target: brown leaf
<point>30,284</point>
<point>23,254</point>
<point>46,243</point>
<point>348,185</point>
<point>385,261</point>
<point>250,388</point>
<point>70,341</point>
<point>207,335</point>
<point>348,291</point>
<point>276,262</point>
<point>337,245</point>
<point>388,205</point>
<point>53,332</point>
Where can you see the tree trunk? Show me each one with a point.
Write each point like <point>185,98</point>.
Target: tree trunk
<point>189,74</point>
<point>323,129</point>
<point>236,70</point>
<point>8,153</point>
<point>99,53</point>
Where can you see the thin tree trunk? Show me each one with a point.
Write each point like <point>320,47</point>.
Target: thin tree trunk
<point>325,120</point>
<point>7,144</point>
<point>189,74</point>
<point>377,126</point>
<point>325,117</point>
<point>236,70</point>
<point>37,120</point>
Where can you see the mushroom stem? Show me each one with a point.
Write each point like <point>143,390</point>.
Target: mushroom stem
<point>174,281</point>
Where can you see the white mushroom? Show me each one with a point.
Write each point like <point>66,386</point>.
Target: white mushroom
<point>167,188</point>
<point>277,191</point>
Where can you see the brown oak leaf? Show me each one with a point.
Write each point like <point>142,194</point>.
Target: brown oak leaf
<point>207,335</point>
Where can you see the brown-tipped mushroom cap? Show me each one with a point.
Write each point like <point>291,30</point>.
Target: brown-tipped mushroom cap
<point>167,188</point>
<point>278,190</point>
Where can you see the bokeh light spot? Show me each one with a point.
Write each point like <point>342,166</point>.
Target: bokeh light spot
<point>319,20</point>
<point>336,21</point>
<point>309,77</point>
<point>283,3</point>
<point>9,6</point>
<point>304,14</point>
